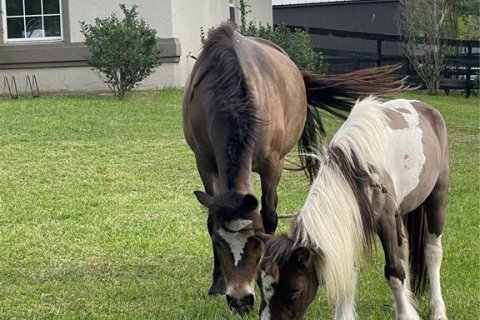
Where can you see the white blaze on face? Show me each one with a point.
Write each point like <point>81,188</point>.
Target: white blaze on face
<point>235,240</point>
<point>268,292</point>
<point>406,167</point>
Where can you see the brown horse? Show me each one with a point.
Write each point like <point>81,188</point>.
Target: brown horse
<point>386,171</point>
<point>244,108</point>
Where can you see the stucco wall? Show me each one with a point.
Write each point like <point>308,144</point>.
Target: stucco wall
<point>194,15</point>
<point>156,13</point>
<point>180,19</point>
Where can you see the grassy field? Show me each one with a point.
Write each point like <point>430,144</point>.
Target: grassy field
<point>98,219</point>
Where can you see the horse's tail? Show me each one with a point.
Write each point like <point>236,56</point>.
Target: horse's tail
<point>417,238</point>
<point>336,94</point>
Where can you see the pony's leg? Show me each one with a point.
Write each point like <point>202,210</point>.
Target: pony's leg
<point>394,270</point>
<point>270,177</point>
<point>434,255</point>
<point>435,208</point>
<point>345,308</point>
<point>210,183</point>
<point>404,251</point>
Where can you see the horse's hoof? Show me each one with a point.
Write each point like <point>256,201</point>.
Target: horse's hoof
<point>438,315</point>
<point>438,311</point>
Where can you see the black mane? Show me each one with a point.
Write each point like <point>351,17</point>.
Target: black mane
<point>232,96</point>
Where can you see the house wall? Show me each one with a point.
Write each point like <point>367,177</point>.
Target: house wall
<point>61,66</point>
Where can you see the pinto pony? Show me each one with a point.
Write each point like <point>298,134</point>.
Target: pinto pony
<point>387,172</point>
<point>245,107</point>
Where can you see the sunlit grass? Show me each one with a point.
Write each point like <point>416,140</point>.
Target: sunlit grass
<point>98,219</point>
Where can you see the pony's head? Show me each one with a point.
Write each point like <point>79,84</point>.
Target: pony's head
<point>288,279</point>
<point>237,232</point>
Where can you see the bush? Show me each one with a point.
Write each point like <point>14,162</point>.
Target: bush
<point>295,43</point>
<point>124,52</point>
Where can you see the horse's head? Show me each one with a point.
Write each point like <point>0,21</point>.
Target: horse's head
<point>236,229</point>
<point>287,280</point>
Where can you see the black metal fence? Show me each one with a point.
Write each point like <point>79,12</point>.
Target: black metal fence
<point>461,70</point>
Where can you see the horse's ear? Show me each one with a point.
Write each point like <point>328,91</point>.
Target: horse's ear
<point>250,202</point>
<point>204,198</point>
<point>301,257</point>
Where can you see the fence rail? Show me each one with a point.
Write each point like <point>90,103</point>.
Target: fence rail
<point>463,65</point>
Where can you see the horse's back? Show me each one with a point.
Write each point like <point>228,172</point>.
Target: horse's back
<point>278,91</point>
<point>272,83</point>
<point>419,151</point>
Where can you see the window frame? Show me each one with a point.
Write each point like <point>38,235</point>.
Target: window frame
<point>43,39</point>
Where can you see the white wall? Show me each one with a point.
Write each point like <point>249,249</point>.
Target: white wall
<point>194,15</point>
<point>157,14</point>
<point>188,17</point>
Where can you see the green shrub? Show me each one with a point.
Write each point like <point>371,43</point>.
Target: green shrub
<point>123,52</point>
<point>295,43</point>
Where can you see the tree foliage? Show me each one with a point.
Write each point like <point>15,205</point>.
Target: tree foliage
<point>124,52</point>
<point>296,43</point>
<point>462,19</point>
<point>421,31</point>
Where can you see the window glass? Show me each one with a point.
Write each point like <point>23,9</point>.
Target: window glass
<point>33,7</point>
<point>33,20</point>
<point>34,27</point>
<point>14,7</point>
<point>15,28</point>
<point>52,26</point>
<point>51,7</point>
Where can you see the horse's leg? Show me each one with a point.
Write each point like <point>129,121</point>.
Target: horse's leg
<point>210,183</point>
<point>345,308</point>
<point>270,177</point>
<point>435,209</point>
<point>404,250</point>
<point>394,270</point>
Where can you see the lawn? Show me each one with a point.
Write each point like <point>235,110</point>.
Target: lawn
<point>98,219</point>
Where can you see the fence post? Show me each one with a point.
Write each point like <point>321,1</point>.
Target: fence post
<point>379,53</point>
<point>469,69</point>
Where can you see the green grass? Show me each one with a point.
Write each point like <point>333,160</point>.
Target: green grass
<point>98,219</point>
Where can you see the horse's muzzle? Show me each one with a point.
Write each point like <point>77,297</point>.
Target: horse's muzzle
<point>242,305</point>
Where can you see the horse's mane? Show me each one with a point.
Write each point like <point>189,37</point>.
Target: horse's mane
<point>231,94</point>
<point>337,219</point>
<point>277,254</point>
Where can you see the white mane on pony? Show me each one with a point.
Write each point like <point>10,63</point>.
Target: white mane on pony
<point>330,218</point>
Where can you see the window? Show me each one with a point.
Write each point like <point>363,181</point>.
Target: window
<point>27,20</point>
<point>232,11</point>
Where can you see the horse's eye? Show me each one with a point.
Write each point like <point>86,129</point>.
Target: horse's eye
<point>293,297</point>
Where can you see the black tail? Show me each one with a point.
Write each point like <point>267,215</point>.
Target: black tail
<point>336,94</point>
<point>417,238</point>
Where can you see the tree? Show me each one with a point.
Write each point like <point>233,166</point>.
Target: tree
<point>421,27</point>
<point>123,52</point>
<point>469,15</point>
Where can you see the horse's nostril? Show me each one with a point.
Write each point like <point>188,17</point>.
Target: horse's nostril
<point>242,305</point>
<point>229,299</point>
<point>248,300</point>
